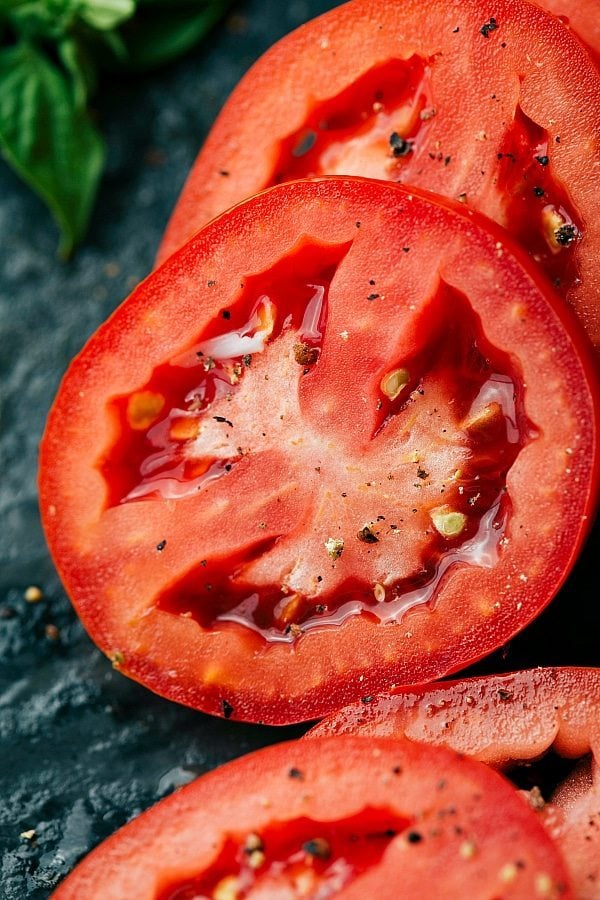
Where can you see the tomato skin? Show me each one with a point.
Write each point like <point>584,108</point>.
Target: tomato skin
<point>461,152</point>
<point>447,801</point>
<point>543,708</point>
<point>504,720</point>
<point>111,560</point>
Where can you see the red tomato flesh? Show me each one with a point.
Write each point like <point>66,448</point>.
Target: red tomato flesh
<point>371,89</point>
<point>582,17</point>
<point>303,463</point>
<point>331,818</point>
<point>572,817</point>
<point>497,719</point>
<point>505,720</point>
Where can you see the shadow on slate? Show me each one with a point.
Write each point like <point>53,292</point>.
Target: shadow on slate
<point>82,750</point>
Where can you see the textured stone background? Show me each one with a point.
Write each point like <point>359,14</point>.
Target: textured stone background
<point>82,750</point>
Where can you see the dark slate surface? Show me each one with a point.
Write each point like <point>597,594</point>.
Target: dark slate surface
<point>82,749</point>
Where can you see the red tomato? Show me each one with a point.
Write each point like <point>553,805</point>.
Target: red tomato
<point>332,818</point>
<point>503,720</point>
<point>573,820</point>
<point>582,17</point>
<point>343,440</point>
<point>497,718</point>
<point>496,106</point>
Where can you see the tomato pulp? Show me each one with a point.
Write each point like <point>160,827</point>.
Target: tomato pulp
<point>582,17</point>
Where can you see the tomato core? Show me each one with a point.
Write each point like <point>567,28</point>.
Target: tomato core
<point>314,858</point>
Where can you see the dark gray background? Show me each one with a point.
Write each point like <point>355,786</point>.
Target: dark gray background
<point>82,749</point>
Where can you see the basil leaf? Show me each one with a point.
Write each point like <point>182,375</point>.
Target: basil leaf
<point>49,139</point>
<point>157,35</point>
<point>104,15</point>
<point>45,19</point>
<point>79,64</point>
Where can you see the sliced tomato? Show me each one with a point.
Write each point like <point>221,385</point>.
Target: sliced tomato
<point>343,440</point>
<point>496,106</point>
<point>498,719</point>
<point>338,817</point>
<point>582,17</point>
<point>503,720</point>
<point>572,818</point>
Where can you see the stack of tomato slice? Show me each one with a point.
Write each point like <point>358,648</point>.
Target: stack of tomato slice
<point>344,441</point>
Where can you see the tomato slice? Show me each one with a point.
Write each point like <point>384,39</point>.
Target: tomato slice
<point>503,720</point>
<point>582,17</point>
<point>336,817</point>
<point>343,440</point>
<point>572,818</point>
<point>497,719</point>
<point>371,89</point>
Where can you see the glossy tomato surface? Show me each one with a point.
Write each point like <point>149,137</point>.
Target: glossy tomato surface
<point>511,721</point>
<point>337,817</point>
<point>497,719</point>
<point>498,108</point>
<point>572,818</point>
<point>342,441</point>
<point>582,17</point>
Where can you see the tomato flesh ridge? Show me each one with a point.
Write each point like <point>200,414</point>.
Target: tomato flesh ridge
<point>305,854</point>
<point>457,354</point>
<point>368,129</point>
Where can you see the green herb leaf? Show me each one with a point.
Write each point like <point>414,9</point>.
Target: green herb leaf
<point>162,32</point>
<point>39,19</point>
<point>48,138</point>
<point>79,63</point>
<point>104,15</point>
<point>48,75</point>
